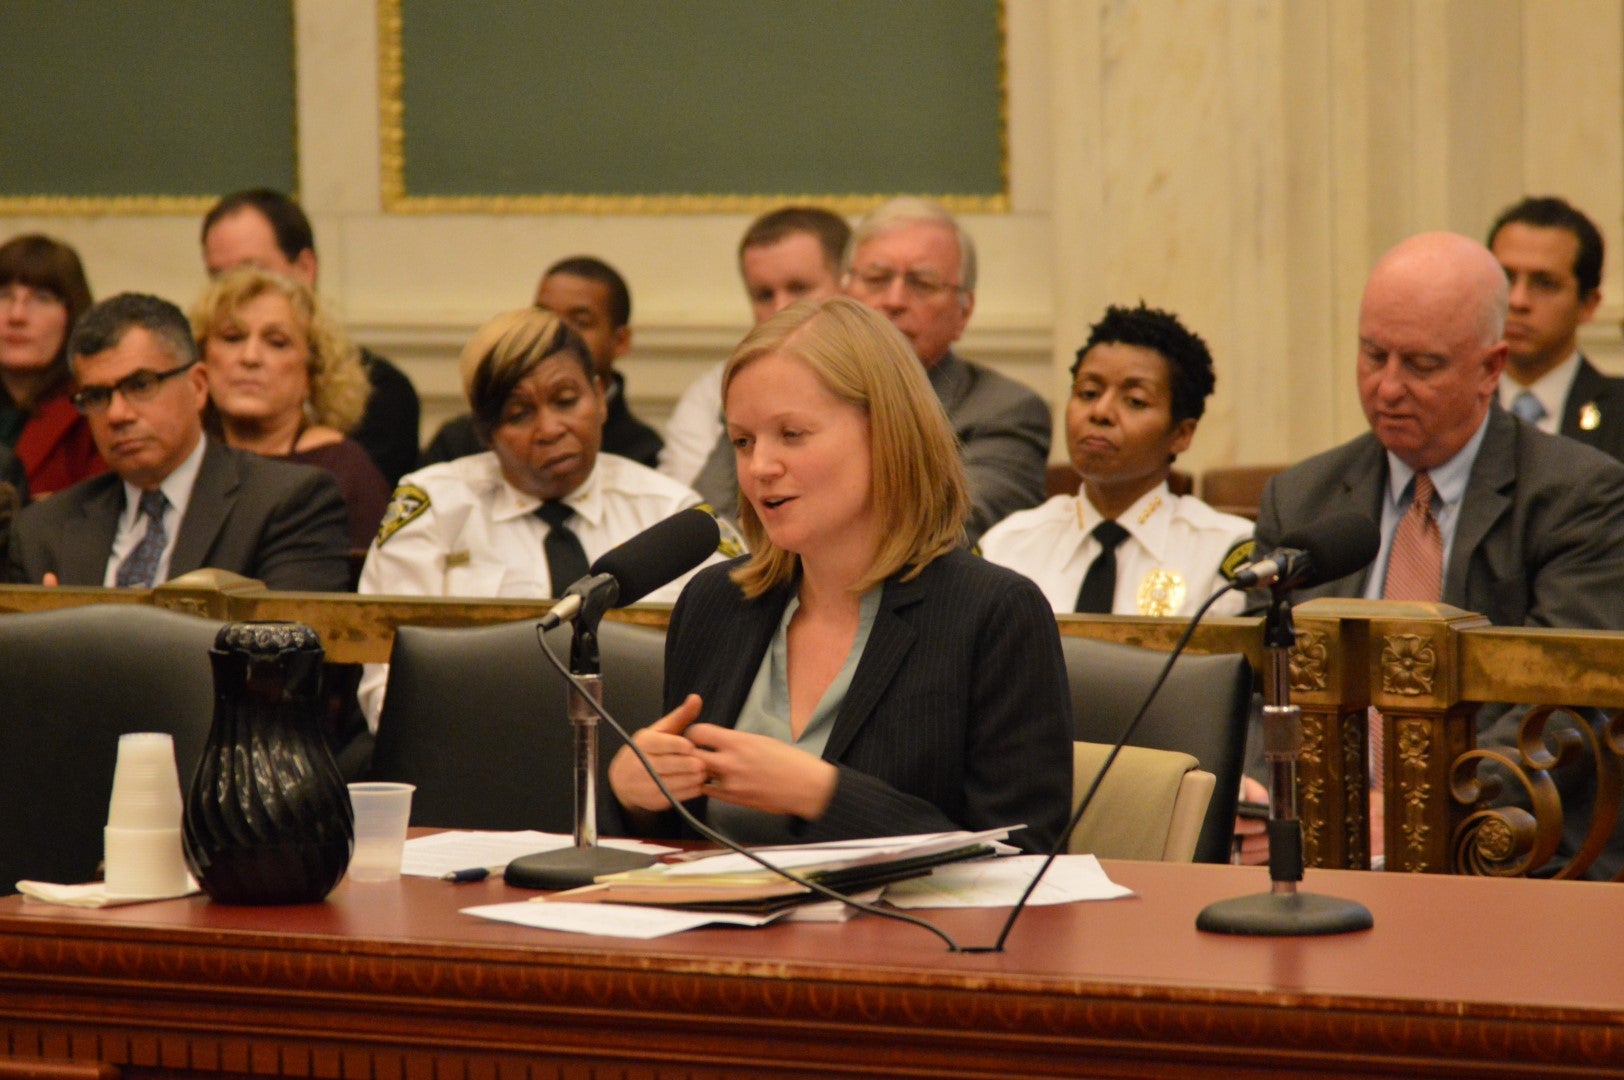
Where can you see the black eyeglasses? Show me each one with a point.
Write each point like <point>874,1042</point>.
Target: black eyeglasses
<point>136,386</point>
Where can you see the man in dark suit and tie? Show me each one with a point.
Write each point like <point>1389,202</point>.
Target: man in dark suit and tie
<point>1552,255</point>
<point>1522,527</point>
<point>175,500</point>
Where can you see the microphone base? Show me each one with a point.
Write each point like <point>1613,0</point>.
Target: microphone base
<point>571,867</point>
<point>1293,914</point>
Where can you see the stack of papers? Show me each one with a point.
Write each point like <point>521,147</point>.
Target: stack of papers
<point>462,849</point>
<point>728,881</point>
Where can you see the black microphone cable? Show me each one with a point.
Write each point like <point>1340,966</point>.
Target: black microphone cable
<point>717,837</point>
<point>1099,778</point>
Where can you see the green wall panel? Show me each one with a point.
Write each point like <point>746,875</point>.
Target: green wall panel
<point>712,98</point>
<point>145,99</point>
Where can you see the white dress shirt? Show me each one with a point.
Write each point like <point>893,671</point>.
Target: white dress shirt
<point>693,428</point>
<point>1550,390</point>
<point>132,525</point>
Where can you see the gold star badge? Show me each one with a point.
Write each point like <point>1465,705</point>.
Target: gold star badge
<point>1161,593</point>
<point>1589,417</point>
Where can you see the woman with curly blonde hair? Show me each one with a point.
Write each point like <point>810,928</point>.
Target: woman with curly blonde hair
<point>285,381</point>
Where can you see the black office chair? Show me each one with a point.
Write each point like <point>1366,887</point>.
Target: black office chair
<point>71,682</point>
<point>1201,710</point>
<point>476,718</point>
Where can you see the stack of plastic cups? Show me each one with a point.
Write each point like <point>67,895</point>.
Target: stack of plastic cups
<point>144,856</point>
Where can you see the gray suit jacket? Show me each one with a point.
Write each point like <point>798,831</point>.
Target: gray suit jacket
<point>1599,400</point>
<point>1540,536</point>
<point>1003,432</point>
<point>273,521</point>
<point>1539,542</point>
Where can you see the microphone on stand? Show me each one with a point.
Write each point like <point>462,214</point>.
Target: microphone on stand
<point>1333,547</point>
<point>623,575</point>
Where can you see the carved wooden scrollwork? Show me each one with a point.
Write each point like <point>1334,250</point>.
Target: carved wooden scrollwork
<point>1355,781</point>
<point>1513,840</point>
<point>1310,661</point>
<point>1311,809</point>
<point>1409,664</point>
<point>1414,741</point>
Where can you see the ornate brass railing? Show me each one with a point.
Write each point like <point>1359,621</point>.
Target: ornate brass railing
<point>1427,667</point>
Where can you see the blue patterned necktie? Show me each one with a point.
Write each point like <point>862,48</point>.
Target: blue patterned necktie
<point>140,566</point>
<point>1527,406</point>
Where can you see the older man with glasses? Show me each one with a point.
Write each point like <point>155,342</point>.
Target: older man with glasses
<point>910,260</point>
<point>175,500</point>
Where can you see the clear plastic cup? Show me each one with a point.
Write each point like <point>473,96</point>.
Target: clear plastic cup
<point>381,813</point>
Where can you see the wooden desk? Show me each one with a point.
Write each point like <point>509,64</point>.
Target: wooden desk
<point>1460,977</point>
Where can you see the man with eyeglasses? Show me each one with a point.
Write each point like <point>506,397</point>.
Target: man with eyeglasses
<point>910,259</point>
<point>175,500</point>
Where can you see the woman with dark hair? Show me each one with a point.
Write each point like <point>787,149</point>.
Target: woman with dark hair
<point>526,517</point>
<point>42,294</point>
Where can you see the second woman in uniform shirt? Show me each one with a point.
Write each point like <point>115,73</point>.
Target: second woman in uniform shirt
<point>1139,388</point>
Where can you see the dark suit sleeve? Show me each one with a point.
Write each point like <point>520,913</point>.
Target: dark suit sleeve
<point>304,544</point>
<point>388,429</point>
<point>1004,461</point>
<point>1576,564</point>
<point>1015,730</point>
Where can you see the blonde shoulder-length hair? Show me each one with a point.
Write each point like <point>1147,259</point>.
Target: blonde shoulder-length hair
<point>916,478</point>
<point>338,383</point>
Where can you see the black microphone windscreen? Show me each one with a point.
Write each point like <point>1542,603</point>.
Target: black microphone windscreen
<point>1338,544</point>
<point>660,554</point>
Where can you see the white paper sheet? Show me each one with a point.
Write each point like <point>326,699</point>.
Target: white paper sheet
<point>609,920</point>
<point>1000,882</point>
<point>461,849</point>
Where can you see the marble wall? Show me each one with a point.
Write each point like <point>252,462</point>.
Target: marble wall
<point>1239,161</point>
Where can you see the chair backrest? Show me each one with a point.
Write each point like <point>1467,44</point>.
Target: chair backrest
<point>1202,710</point>
<point>477,718</point>
<point>71,682</point>
<point>1236,489</point>
<point>1150,805</point>
<point>1060,478</point>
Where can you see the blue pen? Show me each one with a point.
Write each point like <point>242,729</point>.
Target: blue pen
<point>477,873</point>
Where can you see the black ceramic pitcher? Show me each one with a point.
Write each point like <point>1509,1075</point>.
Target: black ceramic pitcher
<point>268,817</point>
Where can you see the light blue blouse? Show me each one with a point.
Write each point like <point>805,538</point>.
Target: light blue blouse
<point>766,712</point>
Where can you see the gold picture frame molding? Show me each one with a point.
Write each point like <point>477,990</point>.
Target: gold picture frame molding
<point>392,162</point>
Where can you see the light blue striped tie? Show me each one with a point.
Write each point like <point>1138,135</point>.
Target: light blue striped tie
<point>1527,406</point>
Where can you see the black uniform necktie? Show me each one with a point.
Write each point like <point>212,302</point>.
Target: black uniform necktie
<point>1099,585</point>
<point>566,558</point>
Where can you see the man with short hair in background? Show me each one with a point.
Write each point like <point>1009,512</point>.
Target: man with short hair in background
<point>789,254</point>
<point>1552,256</point>
<point>911,260</point>
<point>264,228</point>
<point>175,500</point>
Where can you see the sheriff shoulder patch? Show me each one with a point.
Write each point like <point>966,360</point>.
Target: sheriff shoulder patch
<point>1242,553</point>
<point>408,502</point>
<point>731,544</point>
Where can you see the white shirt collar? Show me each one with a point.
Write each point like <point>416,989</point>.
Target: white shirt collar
<point>1146,520</point>
<point>1550,390</point>
<point>177,487</point>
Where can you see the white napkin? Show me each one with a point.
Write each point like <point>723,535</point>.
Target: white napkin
<point>93,895</point>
